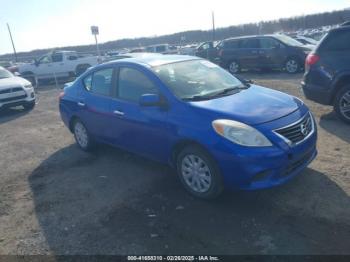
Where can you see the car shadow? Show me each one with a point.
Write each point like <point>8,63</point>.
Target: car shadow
<point>113,202</point>
<point>332,124</point>
<point>9,114</point>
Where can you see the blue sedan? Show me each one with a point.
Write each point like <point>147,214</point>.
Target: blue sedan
<point>214,129</point>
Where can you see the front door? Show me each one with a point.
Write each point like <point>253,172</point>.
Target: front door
<point>138,128</point>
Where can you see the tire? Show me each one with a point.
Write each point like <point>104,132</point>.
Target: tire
<point>342,104</point>
<point>205,184</point>
<point>82,136</point>
<point>292,65</point>
<point>29,106</point>
<point>234,67</point>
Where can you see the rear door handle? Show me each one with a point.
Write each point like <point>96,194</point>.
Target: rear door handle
<point>118,113</point>
<point>81,104</point>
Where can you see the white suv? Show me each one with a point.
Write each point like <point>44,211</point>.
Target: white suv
<point>15,91</point>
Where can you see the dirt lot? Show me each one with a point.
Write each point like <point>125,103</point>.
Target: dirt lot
<point>55,199</point>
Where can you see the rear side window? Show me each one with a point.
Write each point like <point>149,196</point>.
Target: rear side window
<point>132,84</point>
<point>337,41</point>
<point>100,82</point>
<point>250,43</point>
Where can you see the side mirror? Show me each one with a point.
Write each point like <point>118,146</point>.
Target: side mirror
<point>36,62</point>
<point>150,100</point>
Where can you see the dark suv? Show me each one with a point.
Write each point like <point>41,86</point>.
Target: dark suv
<point>327,72</point>
<point>262,52</point>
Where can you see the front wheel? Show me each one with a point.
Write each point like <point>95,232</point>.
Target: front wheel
<point>292,66</point>
<point>234,67</point>
<point>342,104</point>
<point>82,136</point>
<point>199,173</point>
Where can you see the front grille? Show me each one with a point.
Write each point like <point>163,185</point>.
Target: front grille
<point>297,132</point>
<point>11,90</point>
<point>9,99</point>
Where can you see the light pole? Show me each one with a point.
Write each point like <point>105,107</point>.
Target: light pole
<point>13,45</point>
<point>213,21</point>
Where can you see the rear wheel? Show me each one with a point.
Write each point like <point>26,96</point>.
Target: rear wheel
<point>81,69</point>
<point>199,173</point>
<point>342,104</point>
<point>82,136</point>
<point>292,66</point>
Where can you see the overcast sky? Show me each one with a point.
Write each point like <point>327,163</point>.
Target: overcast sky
<point>53,23</point>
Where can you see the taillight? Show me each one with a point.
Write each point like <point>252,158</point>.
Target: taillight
<point>311,59</point>
<point>60,95</point>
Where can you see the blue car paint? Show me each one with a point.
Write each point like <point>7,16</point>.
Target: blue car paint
<point>155,132</point>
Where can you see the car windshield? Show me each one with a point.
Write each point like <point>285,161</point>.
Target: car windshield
<point>197,80</point>
<point>288,40</point>
<point>5,74</point>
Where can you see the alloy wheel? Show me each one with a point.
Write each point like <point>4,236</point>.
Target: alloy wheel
<point>292,66</point>
<point>345,105</point>
<point>233,67</point>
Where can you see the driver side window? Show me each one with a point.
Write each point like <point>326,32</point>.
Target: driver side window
<point>45,59</point>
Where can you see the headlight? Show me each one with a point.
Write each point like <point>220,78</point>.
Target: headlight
<point>240,133</point>
<point>28,86</point>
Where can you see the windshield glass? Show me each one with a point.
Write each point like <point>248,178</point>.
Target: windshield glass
<point>197,78</point>
<point>288,40</point>
<point>5,74</point>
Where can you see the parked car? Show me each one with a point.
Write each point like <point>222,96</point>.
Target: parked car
<point>215,130</point>
<point>262,52</point>
<point>207,50</point>
<point>162,49</point>
<point>59,64</point>
<point>306,40</point>
<point>327,75</point>
<point>15,91</point>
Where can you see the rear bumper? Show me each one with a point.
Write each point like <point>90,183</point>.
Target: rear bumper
<point>316,94</point>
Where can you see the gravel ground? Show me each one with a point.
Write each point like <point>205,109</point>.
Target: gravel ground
<point>56,199</point>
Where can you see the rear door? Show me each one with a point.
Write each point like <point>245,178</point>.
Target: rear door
<point>137,128</point>
<point>94,102</point>
<point>249,53</point>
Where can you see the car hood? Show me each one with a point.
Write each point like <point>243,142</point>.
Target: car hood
<point>252,106</point>
<point>12,82</point>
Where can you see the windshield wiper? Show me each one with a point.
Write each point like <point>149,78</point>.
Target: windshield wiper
<point>215,94</point>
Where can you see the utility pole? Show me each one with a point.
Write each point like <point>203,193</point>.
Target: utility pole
<point>213,21</point>
<point>13,45</point>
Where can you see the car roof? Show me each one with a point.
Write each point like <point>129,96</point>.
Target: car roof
<point>249,36</point>
<point>153,60</point>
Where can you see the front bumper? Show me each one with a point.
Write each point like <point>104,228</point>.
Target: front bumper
<point>259,168</point>
<point>25,97</point>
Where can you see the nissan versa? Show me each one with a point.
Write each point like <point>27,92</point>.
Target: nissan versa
<point>217,131</point>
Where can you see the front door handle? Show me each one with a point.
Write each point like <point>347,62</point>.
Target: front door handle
<point>118,113</point>
<point>81,104</point>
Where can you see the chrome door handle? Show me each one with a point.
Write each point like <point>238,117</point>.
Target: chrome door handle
<point>81,104</point>
<point>118,113</point>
